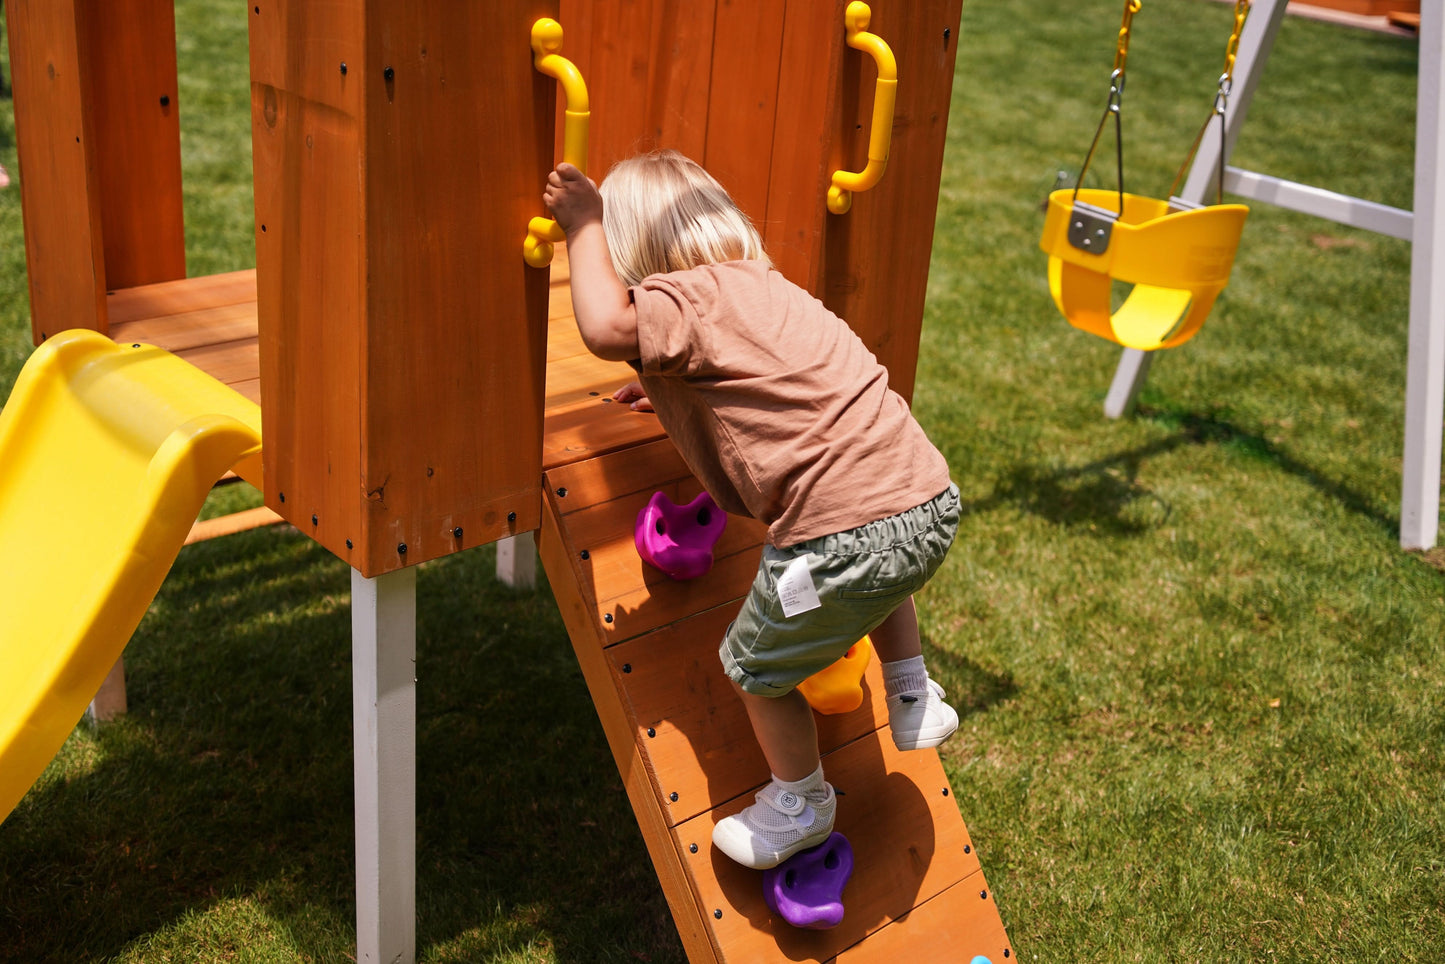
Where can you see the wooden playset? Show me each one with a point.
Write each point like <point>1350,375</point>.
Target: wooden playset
<point>422,389</point>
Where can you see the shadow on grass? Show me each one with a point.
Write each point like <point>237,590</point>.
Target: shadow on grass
<point>231,780</point>
<point>1105,496</point>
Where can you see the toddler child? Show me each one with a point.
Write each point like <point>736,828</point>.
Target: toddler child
<point>784,416</point>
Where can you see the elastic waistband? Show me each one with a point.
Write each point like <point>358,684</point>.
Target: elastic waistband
<point>895,530</point>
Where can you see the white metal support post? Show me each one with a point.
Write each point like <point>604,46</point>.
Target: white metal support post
<point>1425,376</point>
<point>517,560</point>
<point>1255,43</point>
<point>383,700</point>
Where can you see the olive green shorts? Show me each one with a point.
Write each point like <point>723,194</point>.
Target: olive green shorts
<point>860,576</point>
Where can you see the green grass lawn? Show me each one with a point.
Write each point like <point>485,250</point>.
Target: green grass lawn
<point>1202,688</point>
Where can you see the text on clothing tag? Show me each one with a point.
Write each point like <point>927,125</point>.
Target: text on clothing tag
<point>796,591</point>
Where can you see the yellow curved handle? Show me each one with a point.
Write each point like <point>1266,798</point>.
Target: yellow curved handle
<point>885,95</point>
<point>542,233</point>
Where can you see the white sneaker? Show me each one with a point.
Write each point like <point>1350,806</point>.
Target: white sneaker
<point>921,720</point>
<point>778,825</point>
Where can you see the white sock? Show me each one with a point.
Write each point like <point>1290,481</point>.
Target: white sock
<point>905,676</point>
<point>810,787</point>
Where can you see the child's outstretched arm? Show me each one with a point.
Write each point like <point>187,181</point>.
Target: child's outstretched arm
<point>605,314</point>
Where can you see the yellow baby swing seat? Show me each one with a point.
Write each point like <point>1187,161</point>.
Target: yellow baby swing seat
<point>1176,254</point>
<point>1177,260</point>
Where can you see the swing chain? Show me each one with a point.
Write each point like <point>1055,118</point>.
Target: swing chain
<point>1241,11</point>
<point>1121,52</point>
<point>1231,49</point>
<point>1111,107</point>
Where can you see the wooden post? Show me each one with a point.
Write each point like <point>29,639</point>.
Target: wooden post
<point>98,129</point>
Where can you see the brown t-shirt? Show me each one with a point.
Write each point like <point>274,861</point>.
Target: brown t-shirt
<point>777,406</point>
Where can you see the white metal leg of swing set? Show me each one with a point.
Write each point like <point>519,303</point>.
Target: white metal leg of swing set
<point>1424,228</point>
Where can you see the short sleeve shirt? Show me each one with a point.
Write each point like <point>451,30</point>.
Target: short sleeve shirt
<point>776,405</point>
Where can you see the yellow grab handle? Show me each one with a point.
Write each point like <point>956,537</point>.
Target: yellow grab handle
<point>542,233</point>
<point>885,95</point>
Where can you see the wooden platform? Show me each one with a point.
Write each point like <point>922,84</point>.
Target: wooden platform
<point>211,322</point>
<point>681,740</point>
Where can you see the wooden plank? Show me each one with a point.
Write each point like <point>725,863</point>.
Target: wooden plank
<point>602,498</point>
<point>589,429</point>
<point>742,103</point>
<point>599,481</point>
<point>205,326</point>
<point>648,68</point>
<point>230,363</point>
<point>812,52</point>
<point>59,183</point>
<point>575,378</point>
<point>129,52</point>
<point>306,149</point>
<point>909,845</point>
<point>877,255</point>
<point>691,727</point>
<point>964,919</point>
<point>639,597</point>
<point>182,296</point>
<point>455,335</point>
<point>249,387</point>
<point>226,525</point>
<point>563,575</point>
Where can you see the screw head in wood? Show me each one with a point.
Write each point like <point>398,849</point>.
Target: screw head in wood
<point>401,548</point>
<point>389,73</point>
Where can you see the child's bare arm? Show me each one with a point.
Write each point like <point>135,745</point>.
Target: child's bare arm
<point>605,314</point>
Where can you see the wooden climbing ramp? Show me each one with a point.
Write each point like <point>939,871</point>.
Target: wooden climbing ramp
<point>648,648</point>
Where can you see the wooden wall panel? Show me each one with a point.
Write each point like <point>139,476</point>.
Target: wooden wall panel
<point>404,337</point>
<point>455,353</point>
<point>129,52</point>
<point>876,256</point>
<point>648,70</point>
<point>804,141</point>
<point>743,101</point>
<point>306,148</point>
<point>58,181</point>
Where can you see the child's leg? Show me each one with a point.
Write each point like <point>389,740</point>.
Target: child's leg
<point>917,714</point>
<point>785,730</point>
<point>796,809</point>
<point>896,637</point>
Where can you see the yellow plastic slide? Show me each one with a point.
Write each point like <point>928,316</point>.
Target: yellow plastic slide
<point>106,454</point>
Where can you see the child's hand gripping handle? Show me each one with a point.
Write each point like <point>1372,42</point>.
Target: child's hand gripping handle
<point>542,233</point>
<point>885,94</point>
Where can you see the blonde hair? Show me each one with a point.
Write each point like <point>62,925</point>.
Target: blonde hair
<point>662,212</point>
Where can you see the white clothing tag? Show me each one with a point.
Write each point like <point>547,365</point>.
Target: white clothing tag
<point>796,591</point>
